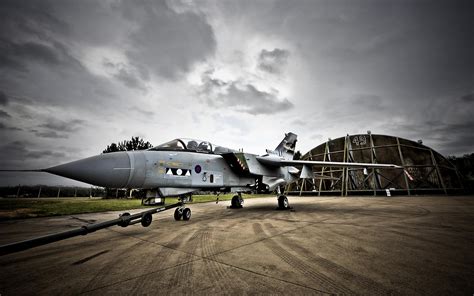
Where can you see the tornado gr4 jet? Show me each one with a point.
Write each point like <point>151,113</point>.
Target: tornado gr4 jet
<point>183,166</point>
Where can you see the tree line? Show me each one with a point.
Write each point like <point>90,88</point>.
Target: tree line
<point>135,143</point>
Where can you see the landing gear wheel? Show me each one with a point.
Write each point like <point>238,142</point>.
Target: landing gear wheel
<point>186,214</point>
<point>237,202</point>
<point>146,220</point>
<point>125,220</point>
<point>178,213</point>
<point>283,203</point>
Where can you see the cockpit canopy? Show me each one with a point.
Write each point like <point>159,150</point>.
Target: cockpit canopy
<point>192,145</point>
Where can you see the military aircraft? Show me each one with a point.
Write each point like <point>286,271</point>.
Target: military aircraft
<point>183,166</point>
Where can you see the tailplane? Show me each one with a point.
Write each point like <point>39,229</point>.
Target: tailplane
<point>286,148</point>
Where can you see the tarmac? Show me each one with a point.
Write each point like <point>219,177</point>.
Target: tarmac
<point>324,245</point>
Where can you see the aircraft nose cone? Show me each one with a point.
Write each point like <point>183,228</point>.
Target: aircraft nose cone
<point>106,170</point>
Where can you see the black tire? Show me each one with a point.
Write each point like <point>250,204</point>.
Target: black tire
<point>146,220</point>
<point>125,220</point>
<point>236,202</point>
<point>178,214</point>
<point>283,202</point>
<point>186,214</point>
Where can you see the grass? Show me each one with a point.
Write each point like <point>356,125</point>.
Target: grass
<point>19,208</point>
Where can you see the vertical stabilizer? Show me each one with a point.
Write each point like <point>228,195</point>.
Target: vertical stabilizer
<point>286,148</point>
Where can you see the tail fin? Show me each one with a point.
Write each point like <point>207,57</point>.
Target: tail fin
<point>286,148</point>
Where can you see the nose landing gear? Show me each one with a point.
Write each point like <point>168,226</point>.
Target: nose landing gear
<point>237,201</point>
<point>182,211</point>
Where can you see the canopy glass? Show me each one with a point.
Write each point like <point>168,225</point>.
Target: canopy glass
<point>192,145</point>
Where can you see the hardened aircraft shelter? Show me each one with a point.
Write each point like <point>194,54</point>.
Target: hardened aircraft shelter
<point>428,171</point>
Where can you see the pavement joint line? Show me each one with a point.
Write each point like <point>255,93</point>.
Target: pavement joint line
<point>154,243</point>
<point>266,275</point>
<point>260,240</point>
<point>139,276</point>
<point>144,240</point>
<point>210,259</point>
<point>218,253</point>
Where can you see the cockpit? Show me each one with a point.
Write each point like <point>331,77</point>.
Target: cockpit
<point>192,145</point>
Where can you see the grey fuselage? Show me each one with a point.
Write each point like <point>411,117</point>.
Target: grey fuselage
<point>151,169</point>
<point>181,169</point>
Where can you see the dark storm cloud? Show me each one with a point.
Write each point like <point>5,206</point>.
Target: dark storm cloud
<point>63,126</point>
<point>273,61</point>
<point>468,98</point>
<point>14,148</point>
<point>16,56</point>
<point>32,16</point>
<point>157,41</point>
<point>247,98</point>
<point>3,98</point>
<point>53,53</point>
<point>20,149</point>
<point>58,129</point>
<point>167,43</point>
<point>50,134</point>
<point>446,138</point>
<point>20,154</point>
<point>36,54</point>
<point>27,33</point>
<point>45,153</point>
<point>242,97</point>
<point>415,49</point>
<point>126,75</point>
<point>129,79</point>
<point>4,114</point>
<point>3,126</point>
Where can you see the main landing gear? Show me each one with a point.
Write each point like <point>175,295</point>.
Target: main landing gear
<point>283,203</point>
<point>237,201</point>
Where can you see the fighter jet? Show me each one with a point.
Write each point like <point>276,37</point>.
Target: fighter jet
<point>183,166</point>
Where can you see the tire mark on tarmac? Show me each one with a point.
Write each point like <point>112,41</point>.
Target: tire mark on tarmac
<point>181,274</point>
<point>173,269</point>
<point>422,239</point>
<point>212,267</point>
<point>369,285</point>
<point>218,270</point>
<point>164,254</point>
<point>317,278</point>
<point>102,273</point>
<point>119,262</point>
<point>314,290</point>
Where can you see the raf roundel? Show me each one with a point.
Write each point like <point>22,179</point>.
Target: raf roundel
<point>197,169</point>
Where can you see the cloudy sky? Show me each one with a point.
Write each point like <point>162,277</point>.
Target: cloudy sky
<point>78,75</point>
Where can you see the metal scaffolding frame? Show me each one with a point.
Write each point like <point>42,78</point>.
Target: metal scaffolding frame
<point>430,170</point>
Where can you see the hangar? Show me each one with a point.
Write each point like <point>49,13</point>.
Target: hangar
<point>429,171</point>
